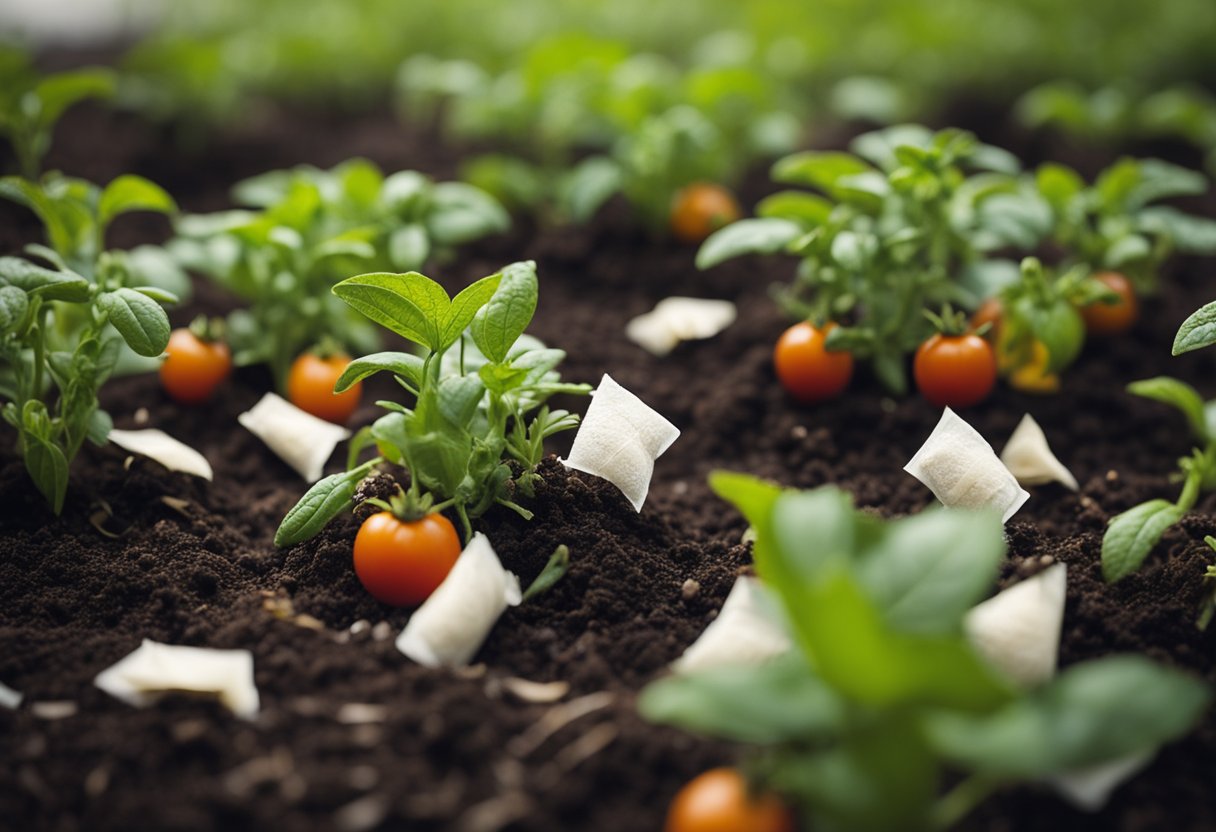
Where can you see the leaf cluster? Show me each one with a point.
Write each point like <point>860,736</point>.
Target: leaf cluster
<point>883,693</point>
<point>305,230</point>
<point>475,433</point>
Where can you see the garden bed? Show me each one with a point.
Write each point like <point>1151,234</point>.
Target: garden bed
<point>353,736</point>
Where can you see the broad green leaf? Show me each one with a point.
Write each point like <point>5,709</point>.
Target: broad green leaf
<point>140,321</point>
<point>1193,235</point>
<point>409,247</point>
<point>818,169</point>
<point>1115,185</point>
<point>1160,180</point>
<point>780,701</point>
<point>461,213</point>
<point>1179,394</point>
<point>499,323</point>
<point>813,531</point>
<point>879,145</point>
<point>100,425</point>
<point>328,498</point>
<point>132,193</point>
<point>854,250</point>
<point>263,190</point>
<point>1197,331</point>
<point>13,305</point>
<point>1058,184</point>
<point>404,364</point>
<point>1130,248</point>
<point>467,304</point>
<point>411,304</point>
<point>808,210</point>
<point>928,570</point>
<point>48,468</point>
<point>589,185</point>
<point>459,397</point>
<point>751,236</point>
<point>1133,534</point>
<point>57,92</point>
<point>52,285</point>
<point>1093,713</point>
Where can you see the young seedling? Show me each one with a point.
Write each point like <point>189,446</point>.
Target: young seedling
<point>475,434</point>
<point>312,227</point>
<point>883,693</point>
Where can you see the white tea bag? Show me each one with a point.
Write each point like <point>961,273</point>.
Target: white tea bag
<point>9,698</point>
<point>154,669</point>
<point>163,448</point>
<point>1018,630</point>
<point>450,626</point>
<point>300,439</point>
<point>745,633</point>
<point>1030,460</point>
<point>963,471</point>
<point>619,439</point>
<point>679,319</point>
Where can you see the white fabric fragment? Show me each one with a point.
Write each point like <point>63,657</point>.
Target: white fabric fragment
<point>1030,460</point>
<point>9,698</point>
<point>744,634</point>
<point>163,448</point>
<point>619,439</point>
<point>1090,788</point>
<point>450,626</point>
<point>300,439</point>
<point>963,471</point>
<point>153,669</point>
<point>679,319</point>
<point>1018,630</point>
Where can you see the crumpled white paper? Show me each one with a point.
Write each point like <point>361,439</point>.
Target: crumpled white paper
<point>619,439</point>
<point>745,633</point>
<point>679,319</point>
<point>300,439</point>
<point>163,448</point>
<point>450,626</point>
<point>963,471</point>
<point>1030,460</point>
<point>9,698</point>
<point>1018,630</point>
<point>154,669</point>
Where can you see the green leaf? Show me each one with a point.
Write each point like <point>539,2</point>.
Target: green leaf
<point>328,498</point>
<point>854,250</point>
<point>411,304</point>
<point>461,213</point>
<point>779,701</point>
<point>1093,713</point>
<point>404,364</point>
<point>132,193</point>
<point>1058,184</point>
<point>409,247</point>
<point>928,570</point>
<point>818,169</point>
<point>48,468</point>
<point>1179,394</point>
<point>1193,235</point>
<point>498,324</point>
<point>1130,248</point>
<point>13,305</point>
<point>1198,330</point>
<point>589,185</point>
<point>808,210</point>
<point>467,304</point>
<point>879,145</point>
<point>751,236</point>
<point>57,92</point>
<point>459,397</point>
<point>1133,534</point>
<point>1160,180</point>
<point>52,285</point>
<point>140,321</point>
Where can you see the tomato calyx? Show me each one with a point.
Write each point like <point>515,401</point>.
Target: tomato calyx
<point>325,349</point>
<point>951,323</point>
<point>208,330</point>
<point>408,506</point>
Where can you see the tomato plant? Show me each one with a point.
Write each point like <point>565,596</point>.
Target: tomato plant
<point>700,209</point>
<point>954,368</point>
<point>806,368</point>
<point>195,363</point>
<point>1116,313</point>
<point>311,381</point>
<point>401,557</point>
<point>720,801</point>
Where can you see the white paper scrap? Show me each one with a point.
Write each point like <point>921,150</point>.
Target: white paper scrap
<point>619,439</point>
<point>1018,630</point>
<point>154,669</point>
<point>679,319</point>
<point>450,626</point>
<point>745,633</point>
<point>1029,458</point>
<point>300,439</point>
<point>963,471</point>
<point>163,448</point>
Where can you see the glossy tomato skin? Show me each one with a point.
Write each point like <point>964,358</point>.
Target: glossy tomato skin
<point>718,801</point>
<point>700,209</point>
<point>1114,318</point>
<point>805,369</point>
<point>193,368</point>
<point>955,370</point>
<point>403,563</point>
<point>310,387</point>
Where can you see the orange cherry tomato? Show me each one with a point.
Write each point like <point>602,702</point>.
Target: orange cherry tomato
<point>808,371</point>
<point>403,563</point>
<point>1112,318</point>
<point>700,209</point>
<point>955,370</point>
<point>718,801</point>
<point>310,387</point>
<point>193,368</point>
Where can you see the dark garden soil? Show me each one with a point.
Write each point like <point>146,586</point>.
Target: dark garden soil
<point>351,735</point>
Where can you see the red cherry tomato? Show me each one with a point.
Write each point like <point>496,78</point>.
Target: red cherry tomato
<point>193,368</point>
<point>1112,318</point>
<point>700,209</point>
<point>955,370</point>
<point>310,387</point>
<point>718,801</point>
<point>402,563</point>
<point>808,371</point>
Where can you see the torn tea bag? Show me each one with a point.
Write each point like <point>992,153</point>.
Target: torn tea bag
<point>300,439</point>
<point>1018,630</point>
<point>963,471</point>
<point>1030,460</point>
<point>154,669</point>
<point>747,632</point>
<point>163,448</point>
<point>619,439</point>
<point>678,319</point>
